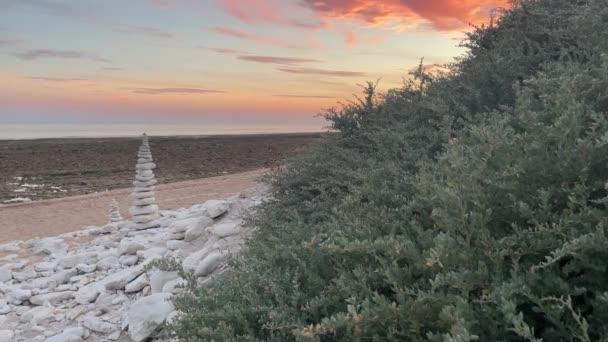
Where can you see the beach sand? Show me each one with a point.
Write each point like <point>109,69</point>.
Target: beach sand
<point>44,218</point>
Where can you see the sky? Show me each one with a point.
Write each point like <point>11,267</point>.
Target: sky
<point>214,62</point>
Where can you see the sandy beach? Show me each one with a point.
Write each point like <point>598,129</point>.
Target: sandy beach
<point>25,221</point>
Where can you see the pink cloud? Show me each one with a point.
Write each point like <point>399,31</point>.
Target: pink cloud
<point>262,39</point>
<point>264,12</point>
<point>445,15</point>
<point>351,39</point>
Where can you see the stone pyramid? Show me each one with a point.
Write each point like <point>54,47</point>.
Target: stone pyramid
<point>115,216</point>
<point>144,210</point>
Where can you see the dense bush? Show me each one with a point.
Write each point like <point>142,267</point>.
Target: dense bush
<point>464,206</point>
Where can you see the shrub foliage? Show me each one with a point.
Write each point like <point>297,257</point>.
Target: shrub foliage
<point>464,206</point>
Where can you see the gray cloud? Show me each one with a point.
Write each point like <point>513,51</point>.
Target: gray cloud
<point>227,51</point>
<point>156,91</point>
<point>65,54</point>
<point>314,71</point>
<point>278,60</point>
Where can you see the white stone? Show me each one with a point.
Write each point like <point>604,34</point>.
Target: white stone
<point>17,265</point>
<point>147,178</point>
<point>119,280</point>
<point>177,236</point>
<point>45,266</point>
<point>147,314</point>
<point>97,325</point>
<point>138,284</point>
<point>197,228</point>
<point>50,245</point>
<point>175,244</point>
<point>148,225</point>
<point>145,194</point>
<point>144,189</point>
<point>10,247</point>
<point>5,309</point>
<point>71,261</point>
<point>144,210</point>
<point>87,294</point>
<point>37,314</point>
<point>209,264</point>
<point>142,184</point>
<point>6,335</point>
<point>114,336</point>
<point>152,252</point>
<point>21,294</point>
<point>146,166</point>
<point>129,260</point>
<point>43,283</point>
<point>5,275</point>
<point>175,286</point>
<point>191,262</point>
<point>84,268</point>
<point>145,218</point>
<point>158,279</point>
<point>107,263</point>
<point>110,228</point>
<point>146,201</point>
<point>182,225</point>
<point>224,230</point>
<point>146,173</point>
<point>24,276</point>
<point>63,277</point>
<point>129,247</point>
<point>52,298</point>
<point>216,208</point>
<point>69,335</point>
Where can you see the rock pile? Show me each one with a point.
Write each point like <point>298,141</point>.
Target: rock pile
<point>103,290</point>
<point>144,210</point>
<point>115,216</point>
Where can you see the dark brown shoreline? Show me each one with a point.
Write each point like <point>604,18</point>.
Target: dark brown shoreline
<point>61,167</point>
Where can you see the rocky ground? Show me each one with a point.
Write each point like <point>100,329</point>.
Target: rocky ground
<point>32,170</point>
<point>94,284</point>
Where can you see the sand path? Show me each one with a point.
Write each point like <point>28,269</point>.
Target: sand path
<point>25,221</point>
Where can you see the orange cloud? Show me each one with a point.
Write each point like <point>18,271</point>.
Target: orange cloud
<point>353,39</point>
<point>445,15</point>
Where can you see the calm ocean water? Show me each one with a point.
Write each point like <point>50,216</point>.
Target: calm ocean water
<point>129,130</point>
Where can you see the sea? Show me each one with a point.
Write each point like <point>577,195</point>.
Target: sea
<point>47,131</point>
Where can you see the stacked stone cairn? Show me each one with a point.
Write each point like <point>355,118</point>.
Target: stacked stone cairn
<point>115,216</point>
<point>144,210</point>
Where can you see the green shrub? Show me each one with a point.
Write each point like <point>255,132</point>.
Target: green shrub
<point>464,206</point>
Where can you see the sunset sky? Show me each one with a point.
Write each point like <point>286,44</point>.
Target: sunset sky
<point>213,61</point>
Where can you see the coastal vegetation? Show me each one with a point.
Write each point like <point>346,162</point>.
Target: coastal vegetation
<point>467,205</point>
